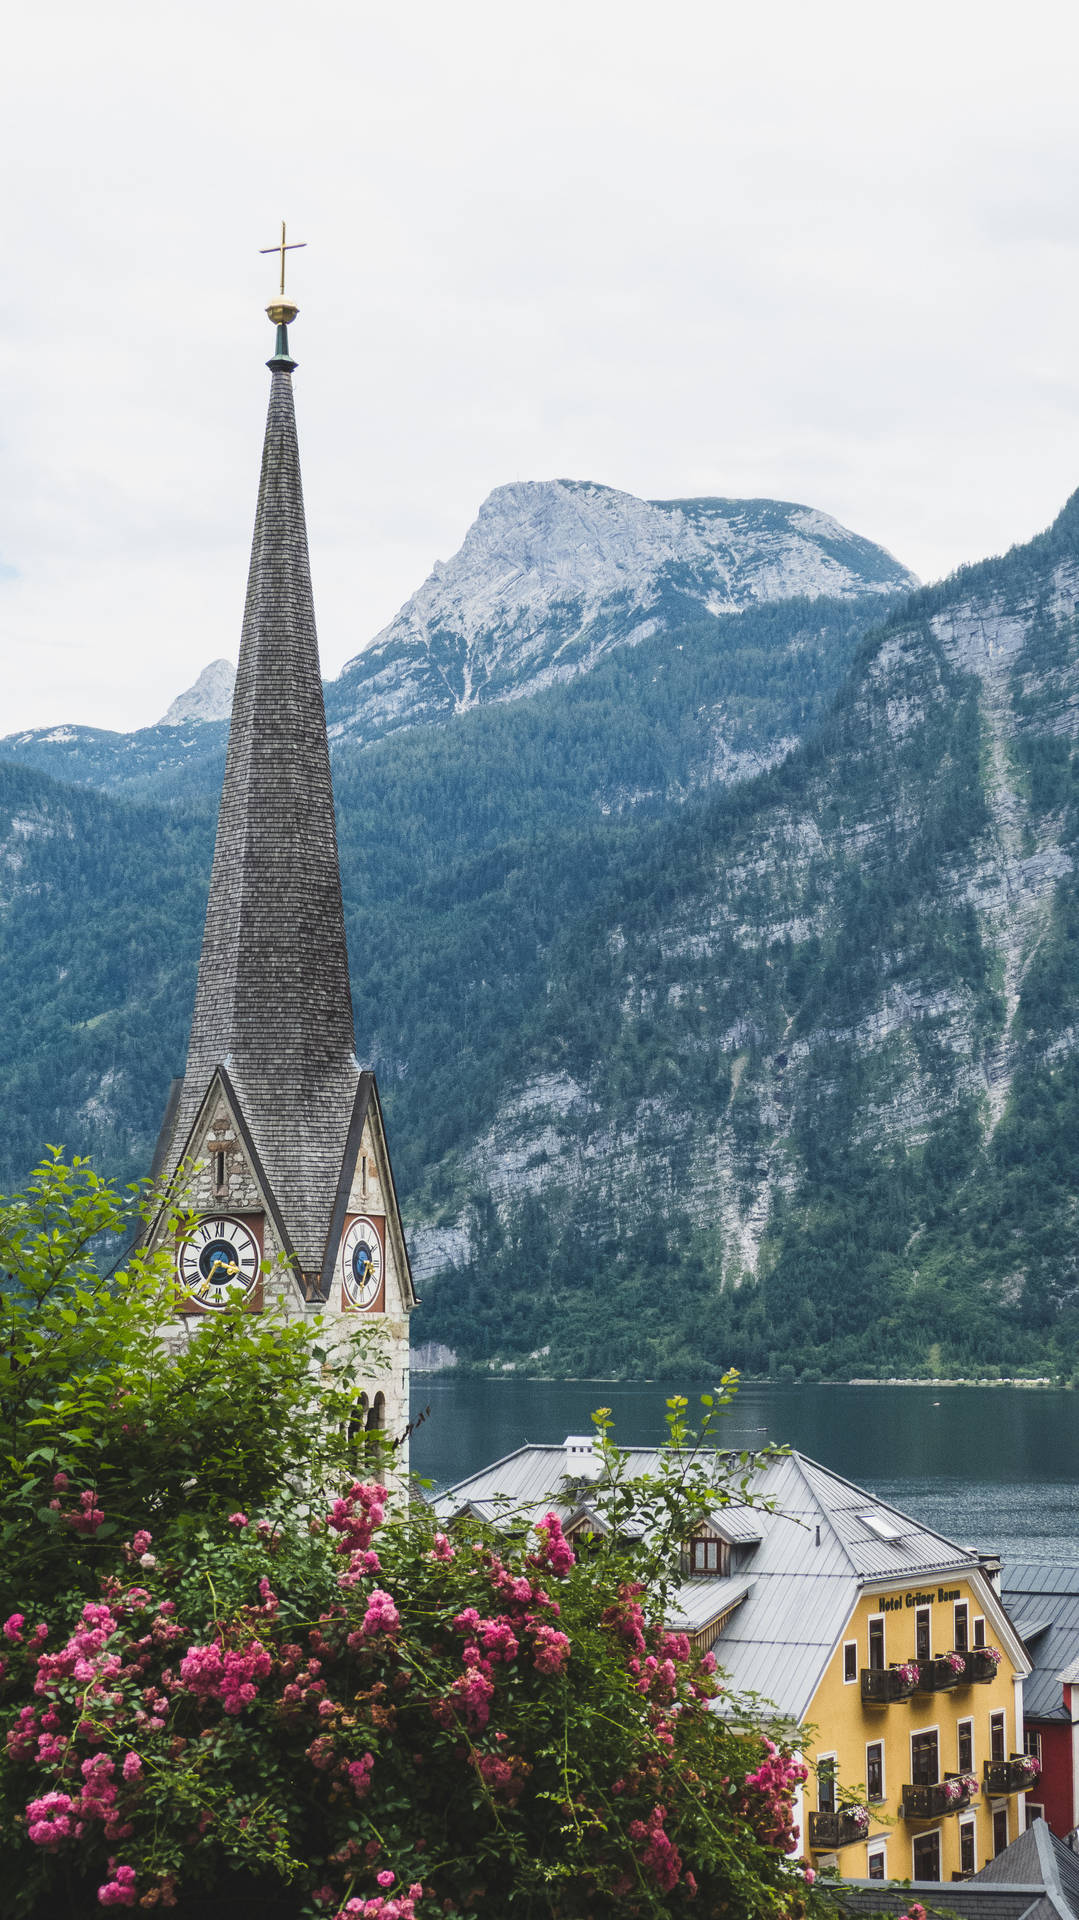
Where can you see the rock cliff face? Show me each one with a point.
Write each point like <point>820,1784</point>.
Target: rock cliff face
<point>817,1055</point>
<point>209,699</point>
<point>554,573</point>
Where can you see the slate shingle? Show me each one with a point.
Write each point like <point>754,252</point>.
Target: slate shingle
<point>273,1002</point>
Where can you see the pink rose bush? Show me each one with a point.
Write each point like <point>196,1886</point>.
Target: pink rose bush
<point>372,1721</point>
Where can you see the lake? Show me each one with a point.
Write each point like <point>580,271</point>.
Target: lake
<point>992,1467</point>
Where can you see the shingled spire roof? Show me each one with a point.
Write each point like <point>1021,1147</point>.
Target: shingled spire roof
<point>273,1004</point>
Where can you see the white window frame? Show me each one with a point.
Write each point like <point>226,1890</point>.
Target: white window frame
<point>820,1761</point>
<point>936,1833</point>
<point>919,1733</point>
<point>883,1771</point>
<point>926,1614</point>
<point>966,1721</point>
<point>999,1806</point>
<point>850,1680</point>
<point>870,1623</point>
<point>1001,1714</point>
<point>977,1627</point>
<point>960,1606</point>
<point>968,1824</point>
<point>877,1849</point>
<point>1035,1810</point>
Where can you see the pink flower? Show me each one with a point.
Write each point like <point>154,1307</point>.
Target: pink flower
<point>555,1551</point>
<point>381,1616</point>
<point>142,1541</point>
<point>550,1649</point>
<point>238,1520</point>
<point>442,1549</point>
<point>132,1766</point>
<point>13,1626</point>
<point>386,1878</point>
<point>809,1875</point>
<point>50,1819</point>
<point>120,1890</point>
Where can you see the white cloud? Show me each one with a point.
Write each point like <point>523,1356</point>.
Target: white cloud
<point>824,253</point>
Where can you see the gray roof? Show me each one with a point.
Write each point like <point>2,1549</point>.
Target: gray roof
<point>273,1003</point>
<point>1035,1878</point>
<point>814,1554</point>
<point>1043,1600</point>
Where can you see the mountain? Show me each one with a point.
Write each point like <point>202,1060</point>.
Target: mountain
<point>723,995</point>
<point>801,1090</point>
<point>209,699</point>
<point>552,574</point>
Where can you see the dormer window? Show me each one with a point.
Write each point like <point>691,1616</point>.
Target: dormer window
<point>707,1555</point>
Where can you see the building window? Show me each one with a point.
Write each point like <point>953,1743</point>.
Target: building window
<point>1034,1812</point>
<point>926,1855</point>
<point>922,1643</point>
<point>363,1175</point>
<point>924,1759</point>
<point>961,1630</point>
<point>1032,1742</point>
<point>996,1737</point>
<point>979,1629</point>
<point>876,1643</point>
<point>826,1783</point>
<point>1000,1829</point>
<point>850,1660</point>
<point>875,1864</point>
<point>219,1169</point>
<point>709,1556</point>
<point>874,1771</point>
<point>965,1746</point>
<point>966,1846</point>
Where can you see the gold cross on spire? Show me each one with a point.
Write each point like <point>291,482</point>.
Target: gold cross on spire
<point>282,249</point>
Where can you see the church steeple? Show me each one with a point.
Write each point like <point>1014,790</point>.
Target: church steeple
<point>274,1136</point>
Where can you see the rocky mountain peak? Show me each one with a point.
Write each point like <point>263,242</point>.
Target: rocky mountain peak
<point>210,698</point>
<point>552,573</point>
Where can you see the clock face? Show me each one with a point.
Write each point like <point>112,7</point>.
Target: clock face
<point>361,1263</point>
<point>221,1252</point>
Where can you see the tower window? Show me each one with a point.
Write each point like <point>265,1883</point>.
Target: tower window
<point>219,1168</point>
<point>363,1175</point>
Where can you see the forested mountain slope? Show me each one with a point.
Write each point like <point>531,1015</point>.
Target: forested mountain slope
<point>102,898</point>
<point>698,1044</point>
<point>552,576</point>
<point>802,1090</point>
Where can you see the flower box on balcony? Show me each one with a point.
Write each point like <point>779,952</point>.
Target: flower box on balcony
<point>840,1828</point>
<point>981,1665</point>
<point>1011,1776</point>
<point>883,1685</point>
<point>942,1673</point>
<point>951,1795</point>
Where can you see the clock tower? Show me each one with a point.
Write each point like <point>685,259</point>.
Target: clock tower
<point>273,1139</point>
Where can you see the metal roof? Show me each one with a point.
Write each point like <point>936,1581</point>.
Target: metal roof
<point>807,1558</point>
<point>699,1601</point>
<point>1035,1878</point>
<point>1043,1598</point>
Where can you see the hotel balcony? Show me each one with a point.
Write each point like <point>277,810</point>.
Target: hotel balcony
<point>941,1673</point>
<point>883,1685</point>
<point>1010,1776</point>
<point>980,1667</point>
<point>951,1795</point>
<point>840,1828</point>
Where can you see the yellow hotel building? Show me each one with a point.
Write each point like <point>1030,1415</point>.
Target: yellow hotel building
<point>887,1643</point>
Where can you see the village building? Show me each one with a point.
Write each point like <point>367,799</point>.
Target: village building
<point>273,1139</point>
<point>1043,1600</point>
<point>887,1642</point>
<point>1035,1878</point>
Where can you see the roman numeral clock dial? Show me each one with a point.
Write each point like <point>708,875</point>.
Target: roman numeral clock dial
<point>361,1265</point>
<point>219,1253</point>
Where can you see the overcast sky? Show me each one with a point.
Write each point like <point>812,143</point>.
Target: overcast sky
<point>827,252</point>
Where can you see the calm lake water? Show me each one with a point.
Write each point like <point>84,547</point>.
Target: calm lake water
<point>992,1467</point>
